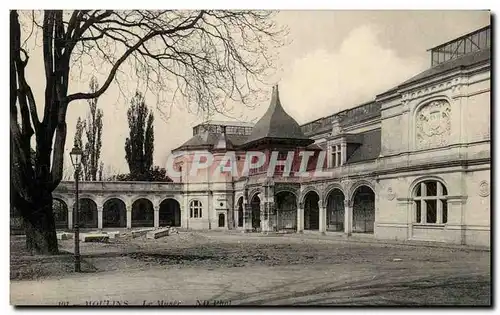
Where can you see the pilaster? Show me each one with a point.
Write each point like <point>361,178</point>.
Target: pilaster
<point>322,216</point>
<point>70,219</point>
<point>99,216</point>
<point>247,217</point>
<point>156,216</point>
<point>300,217</point>
<point>264,217</point>
<point>348,217</point>
<point>129,216</point>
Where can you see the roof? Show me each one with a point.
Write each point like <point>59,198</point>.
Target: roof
<point>461,37</point>
<point>227,123</point>
<point>207,140</point>
<point>369,148</point>
<point>346,117</point>
<point>463,61</point>
<point>276,123</point>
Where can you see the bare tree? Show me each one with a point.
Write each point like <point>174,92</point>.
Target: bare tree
<point>205,57</point>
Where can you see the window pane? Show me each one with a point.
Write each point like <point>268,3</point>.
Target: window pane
<point>191,212</point>
<point>445,211</point>
<point>338,159</point>
<point>431,188</point>
<point>445,192</point>
<point>431,211</point>
<point>419,211</point>
<point>419,190</point>
<point>200,212</point>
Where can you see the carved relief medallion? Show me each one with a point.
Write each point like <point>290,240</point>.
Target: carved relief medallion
<point>484,189</point>
<point>390,194</point>
<point>433,124</point>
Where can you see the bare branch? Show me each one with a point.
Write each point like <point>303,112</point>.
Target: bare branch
<point>180,27</point>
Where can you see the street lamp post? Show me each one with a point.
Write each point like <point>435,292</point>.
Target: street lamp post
<point>76,158</point>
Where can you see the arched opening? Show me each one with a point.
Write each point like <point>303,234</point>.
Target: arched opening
<point>170,213</point>
<point>255,204</point>
<point>335,211</point>
<point>60,210</point>
<point>286,211</point>
<point>363,211</point>
<point>142,213</point>
<point>222,220</point>
<point>114,213</point>
<point>311,211</point>
<point>240,212</point>
<point>88,213</point>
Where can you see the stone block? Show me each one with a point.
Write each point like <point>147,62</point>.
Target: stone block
<point>94,237</point>
<point>141,232</point>
<point>64,236</point>
<point>112,234</point>
<point>158,233</point>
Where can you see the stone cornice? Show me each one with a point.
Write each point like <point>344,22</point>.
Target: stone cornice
<point>453,78</point>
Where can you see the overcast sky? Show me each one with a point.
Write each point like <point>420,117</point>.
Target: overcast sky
<point>335,60</point>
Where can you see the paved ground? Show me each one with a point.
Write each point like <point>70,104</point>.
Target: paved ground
<point>221,269</point>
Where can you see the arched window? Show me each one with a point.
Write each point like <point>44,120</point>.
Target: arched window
<point>431,206</point>
<point>195,208</point>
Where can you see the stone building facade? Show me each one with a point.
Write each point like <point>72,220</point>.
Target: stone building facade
<point>413,164</point>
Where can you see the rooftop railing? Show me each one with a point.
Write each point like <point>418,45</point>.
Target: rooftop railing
<point>472,42</point>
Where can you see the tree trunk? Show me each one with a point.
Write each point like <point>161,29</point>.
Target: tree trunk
<point>39,226</point>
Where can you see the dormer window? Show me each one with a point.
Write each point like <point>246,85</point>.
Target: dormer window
<point>336,156</point>
<point>282,156</point>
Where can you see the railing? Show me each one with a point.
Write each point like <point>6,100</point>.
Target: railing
<point>472,42</point>
<point>354,115</point>
<point>229,129</point>
<point>120,186</point>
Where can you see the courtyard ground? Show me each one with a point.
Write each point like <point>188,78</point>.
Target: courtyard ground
<point>214,268</point>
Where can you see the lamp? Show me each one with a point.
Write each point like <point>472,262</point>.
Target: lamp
<point>76,158</point>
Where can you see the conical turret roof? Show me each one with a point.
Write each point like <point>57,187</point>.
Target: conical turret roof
<point>276,123</point>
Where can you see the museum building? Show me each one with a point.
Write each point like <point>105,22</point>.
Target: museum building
<point>412,164</point>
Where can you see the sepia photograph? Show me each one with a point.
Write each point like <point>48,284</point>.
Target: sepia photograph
<point>250,157</point>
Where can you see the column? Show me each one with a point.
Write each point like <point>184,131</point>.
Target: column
<point>300,218</point>
<point>343,153</point>
<point>129,216</point>
<point>264,217</point>
<point>247,217</point>
<point>235,218</point>
<point>348,217</point>
<point>70,218</point>
<point>157,216</point>
<point>99,216</point>
<point>322,217</point>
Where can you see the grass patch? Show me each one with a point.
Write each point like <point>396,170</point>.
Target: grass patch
<point>25,266</point>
